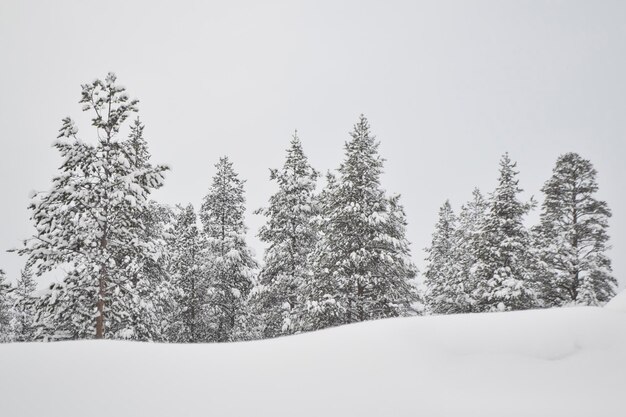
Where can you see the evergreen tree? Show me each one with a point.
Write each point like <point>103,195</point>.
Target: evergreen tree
<point>154,295</point>
<point>504,281</point>
<point>469,238</point>
<point>231,263</point>
<point>5,309</point>
<point>442,272</point>
<point>154,291</point>
<point>188,270</point>
<point>572,237</point>
<point>24,307</point>
<point>291,234</point>
<point>362,261</point>
<point>92,220</point>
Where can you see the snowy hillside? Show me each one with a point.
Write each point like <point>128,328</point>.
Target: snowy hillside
<point>560,362</point>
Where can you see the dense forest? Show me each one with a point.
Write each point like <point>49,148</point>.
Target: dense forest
<point>141,270</point>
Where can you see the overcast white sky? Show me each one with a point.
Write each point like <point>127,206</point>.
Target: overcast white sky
<point>448,86</point>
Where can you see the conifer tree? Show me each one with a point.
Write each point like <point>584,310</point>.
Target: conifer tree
<point>504,281</point>
<point>291,234</point>
<point>92,220</point>
<point>442,270</point>
<point>5,309</point>
<point>469,237</point>
<point>362,262</point>
<point>24,307</point>
<point>231,262</point>
<point>153,297</point>
<point>572,237</point>
<point>188,271</point>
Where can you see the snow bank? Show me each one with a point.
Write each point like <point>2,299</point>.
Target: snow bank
<point>618,303</point>
<point>561,362</point>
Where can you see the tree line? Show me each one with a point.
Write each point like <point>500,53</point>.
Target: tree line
<point>485,259</point>
<point>140,270</point>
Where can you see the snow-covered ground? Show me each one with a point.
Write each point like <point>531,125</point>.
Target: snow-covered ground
<point>560,362</point>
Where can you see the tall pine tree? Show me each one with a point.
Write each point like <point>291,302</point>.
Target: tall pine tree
<point>291,234</point>
<point>231,263</point>
<point>153,295</point>
<point>188,269</point>
<point>504,281</point>
<point>5,309</point>
<point>24,307</point>
<point>469,238</point>
<point>572,237</point>
<point>442,270</point>
<point>362,262</point>
<point>92,219</point>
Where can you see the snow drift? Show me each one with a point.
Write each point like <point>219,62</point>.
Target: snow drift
<point>559,362</point>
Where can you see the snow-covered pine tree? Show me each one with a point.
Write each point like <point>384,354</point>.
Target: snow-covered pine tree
<point>469,237</point>
<point>23,322</point>
<point>92,219</point>
<point>5,309</point>
<point>231,263</point>
<point>362,262</point>
<point>65,310</point>
<point>154,292</point>
<point>188,270</point>
<point>572,237</point>
<point>504,281</point>
<point>442,273</point>
<point>291,234</point>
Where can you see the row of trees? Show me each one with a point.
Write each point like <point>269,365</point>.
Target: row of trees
<point>136,269</point>
<point>485,259</point>
<point>17,308</point>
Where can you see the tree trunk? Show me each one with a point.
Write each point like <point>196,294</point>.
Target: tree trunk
<point>360,311</point>
<point>100,304</point>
